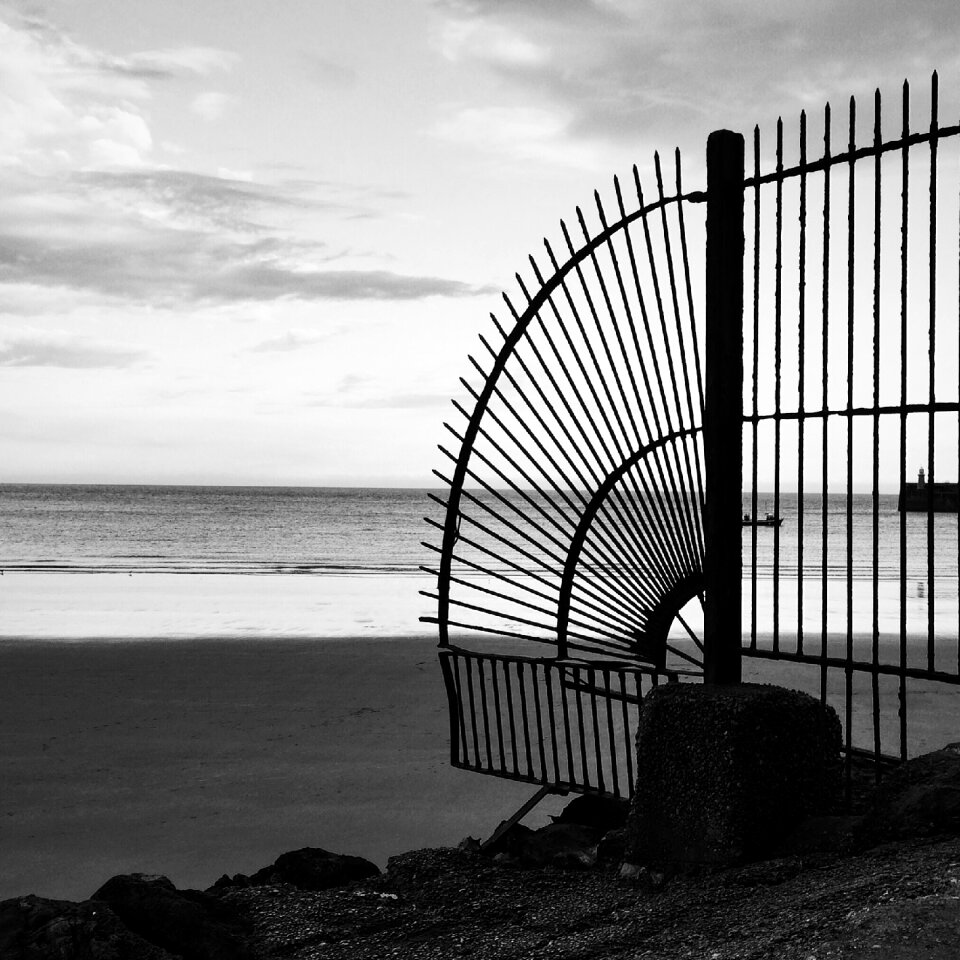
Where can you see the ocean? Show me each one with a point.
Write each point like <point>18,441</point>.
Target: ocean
<point>170,561</point>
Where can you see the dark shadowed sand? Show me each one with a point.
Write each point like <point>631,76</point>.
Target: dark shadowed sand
<point>195,757</point>
<point>192,758</point>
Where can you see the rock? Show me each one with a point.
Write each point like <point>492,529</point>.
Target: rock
<point>226,882</point>
<point>642,876</point>
<point>919,798</point>
<point>570,846</point>
<point>188,923</point>
<point>469,845</point>
<point>510,844</point>
<point>601,813</point>
<point>312,868</point>
<point>35,928</point>
<point>612,847</point>
<point>821,835</point>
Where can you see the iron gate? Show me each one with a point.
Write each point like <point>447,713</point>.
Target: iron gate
<point>590,541</point>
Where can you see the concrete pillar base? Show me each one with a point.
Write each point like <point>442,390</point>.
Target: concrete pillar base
<point>724,772</point>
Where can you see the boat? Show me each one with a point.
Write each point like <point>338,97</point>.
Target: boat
<point>770,520</point>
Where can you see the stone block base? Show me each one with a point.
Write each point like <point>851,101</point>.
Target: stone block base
<point>724,772</point>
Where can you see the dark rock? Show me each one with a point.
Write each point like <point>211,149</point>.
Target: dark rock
<point>226,882</point>
<point>194,925</point>
<point>571,846</point>
<point>315,869</point>
<point>612,847</point>
<point>725,772</point>
<point>34,928</point>
<point>602,813</point>
<point>509,844</point>
<point>836,834</point>
<point>469,845</point>
<point>919,798</point>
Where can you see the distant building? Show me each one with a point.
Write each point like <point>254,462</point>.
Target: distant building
<point>921,496</point>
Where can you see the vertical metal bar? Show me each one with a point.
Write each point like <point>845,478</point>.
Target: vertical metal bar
<point>512,721</point>
<point>502,766</point>
<point>723,417</point>
<point>581,729</point>
<point>525,717</point>
<point>627,735</point>
<point>535,668</point>
<point>904,346</point>
<point>611,741</point>
<point>473,713</point>
<point>825,372</point>
<point>777,364</point>
<point>755,382</point>
<point>875,480</point>
<point>486,712</point>
<point>453,705</point>
<point>551,707</point>
<point>565,704</point>
<point>851,252</point>
<point>932,344</point>
<point>595,717</point>
<point>801,349</point>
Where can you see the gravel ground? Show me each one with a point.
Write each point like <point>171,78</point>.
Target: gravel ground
<point>899,900</point>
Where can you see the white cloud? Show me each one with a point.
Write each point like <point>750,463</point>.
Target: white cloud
<point>64,105</point>
<point>210,105</point>
<point>291,340</point>
<point>66,351</point>
<point>527,133</point>
<point>200,61</point>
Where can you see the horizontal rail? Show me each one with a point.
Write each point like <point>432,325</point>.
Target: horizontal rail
<point>860,153</point>
<point>939,406</point>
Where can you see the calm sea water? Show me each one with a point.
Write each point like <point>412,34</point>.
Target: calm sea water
<point>338,531</point>
<point>336,561</point>
<point>168,529</point>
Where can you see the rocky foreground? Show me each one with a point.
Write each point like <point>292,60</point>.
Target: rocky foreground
<point>881,882</point>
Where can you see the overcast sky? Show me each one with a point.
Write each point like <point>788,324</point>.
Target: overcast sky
<point>253,242</point>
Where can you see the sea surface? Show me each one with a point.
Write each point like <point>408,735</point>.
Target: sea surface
<point>171,561</point>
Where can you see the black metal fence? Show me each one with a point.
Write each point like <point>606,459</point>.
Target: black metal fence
<point>853,355</point>
<point>567,725</point>
<point>587,512</point>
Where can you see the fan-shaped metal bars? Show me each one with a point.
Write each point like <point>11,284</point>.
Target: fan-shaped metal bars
<point>574,514</point>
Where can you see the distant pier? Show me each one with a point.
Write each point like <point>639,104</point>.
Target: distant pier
<point>921,496</point>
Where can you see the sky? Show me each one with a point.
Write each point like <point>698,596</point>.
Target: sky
<point>254,243</point>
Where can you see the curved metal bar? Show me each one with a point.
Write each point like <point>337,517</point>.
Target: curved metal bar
<point>470,434</point>
<point>580,536</point>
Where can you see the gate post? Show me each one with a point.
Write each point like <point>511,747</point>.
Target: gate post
<point>723,415</point>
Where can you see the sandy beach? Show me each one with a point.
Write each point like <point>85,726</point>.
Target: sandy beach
<point>192,758</point>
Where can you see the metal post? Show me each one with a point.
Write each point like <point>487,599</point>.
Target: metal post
<point>723,416</point>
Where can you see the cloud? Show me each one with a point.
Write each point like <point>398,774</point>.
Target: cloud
<point>527,133</point>
<point>181,61</point>
<point>291,340</point>
<point>69,352</point>
<point>354,393</point>
<point>328,73</point>
<point>621,69</point>
<point>66,105</point>
<point>210,105</point>
<point>177,266</point>
<point>174,237</point>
